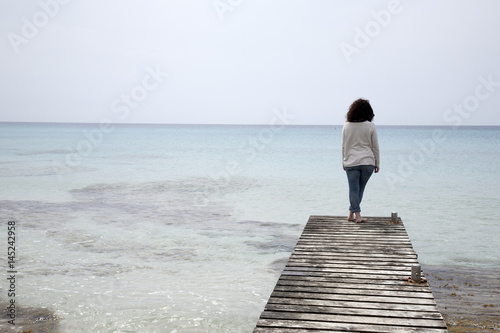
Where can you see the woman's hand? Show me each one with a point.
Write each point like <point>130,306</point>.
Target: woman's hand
<point>377,169</point>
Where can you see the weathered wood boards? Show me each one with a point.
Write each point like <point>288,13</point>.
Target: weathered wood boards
<point>346,276</point>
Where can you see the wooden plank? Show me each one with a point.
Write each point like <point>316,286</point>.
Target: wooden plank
<point>352,285</point>
<point>317,326</point>
<point>366,246</point>
<point>325,233</point>
<point>349,263</point>
<point>353,291</point>
<point>354,256</point>
<point>369,284</point>
<point>318,263</point>
<point>372,320</point>
<point>312,268</point>
<point>354,298</point>
<point>352,311</point>
<point>289,330</point>
<point>334,275</point>
<point>345,276</point>
<point>369,248</point>
<point>430,308</point>
<point>362,248</point>
<point>351,257</point>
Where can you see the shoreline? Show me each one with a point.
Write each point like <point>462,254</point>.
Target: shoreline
<point>467,297</point>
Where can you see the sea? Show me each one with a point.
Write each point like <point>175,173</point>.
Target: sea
<point>186,228</point>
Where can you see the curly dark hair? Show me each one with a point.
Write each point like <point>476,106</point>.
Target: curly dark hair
<point>360,110</point>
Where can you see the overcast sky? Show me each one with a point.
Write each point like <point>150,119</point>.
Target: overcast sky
<point>235,61</point>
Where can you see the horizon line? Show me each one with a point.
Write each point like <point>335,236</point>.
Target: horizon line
<point>223,124</point>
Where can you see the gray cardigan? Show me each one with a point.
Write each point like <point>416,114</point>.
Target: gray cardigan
<point>360,144</point>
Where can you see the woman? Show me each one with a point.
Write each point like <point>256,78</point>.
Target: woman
<point>360,153</point>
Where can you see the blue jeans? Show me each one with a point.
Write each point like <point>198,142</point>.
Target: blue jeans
<point>357,176</point>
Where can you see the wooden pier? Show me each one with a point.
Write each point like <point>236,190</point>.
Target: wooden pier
<point>351,277</point>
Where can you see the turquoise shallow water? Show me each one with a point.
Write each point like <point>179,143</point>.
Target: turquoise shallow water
<point>179,228</point>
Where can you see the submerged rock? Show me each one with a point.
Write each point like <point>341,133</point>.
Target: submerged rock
<point>29,320</point>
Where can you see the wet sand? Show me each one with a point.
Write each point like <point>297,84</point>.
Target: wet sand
<point>468,298</point>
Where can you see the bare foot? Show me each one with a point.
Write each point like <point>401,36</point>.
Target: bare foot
<point>359,219</point>
<point>351,216</point>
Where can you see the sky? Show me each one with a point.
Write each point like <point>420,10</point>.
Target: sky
<point>242,61</point>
